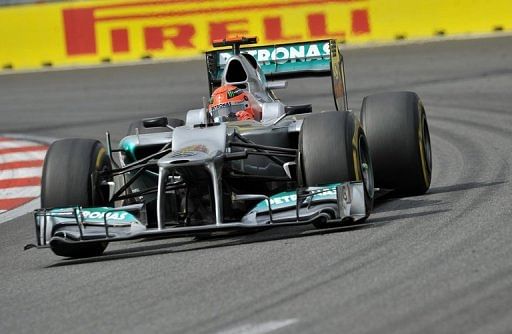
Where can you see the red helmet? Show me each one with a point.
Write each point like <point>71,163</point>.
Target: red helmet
<point>230,103</point>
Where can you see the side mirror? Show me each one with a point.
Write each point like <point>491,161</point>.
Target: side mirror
<point>155,122</point>
<point>294,110</point>
<point>277,84</point>
<point>300,109</point>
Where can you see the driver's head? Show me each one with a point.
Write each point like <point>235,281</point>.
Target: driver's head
<point>230,103</point>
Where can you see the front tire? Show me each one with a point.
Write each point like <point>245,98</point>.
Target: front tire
<point>333,149</point>
<point>71,178</point>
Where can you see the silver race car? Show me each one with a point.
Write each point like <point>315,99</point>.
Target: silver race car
<point>215,172</point>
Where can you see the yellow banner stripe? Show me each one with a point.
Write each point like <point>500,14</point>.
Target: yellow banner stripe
<point>84,33</point>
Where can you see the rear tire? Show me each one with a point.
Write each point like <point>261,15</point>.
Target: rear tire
<point>397,132</point>
<point>333,149</point>
<point>70,178</point>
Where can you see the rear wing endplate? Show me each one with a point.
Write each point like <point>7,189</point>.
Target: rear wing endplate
<point>288,61</point>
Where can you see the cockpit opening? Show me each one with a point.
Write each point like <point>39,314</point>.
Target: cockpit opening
<point>235,71</point>
<point>251,59</point>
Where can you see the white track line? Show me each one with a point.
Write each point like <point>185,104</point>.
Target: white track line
<point>261,328</point>
<point>20,192</point>
<point>22,156</point>
<point>20,172</point>
<point>16,143</point>
<point>20,211</point>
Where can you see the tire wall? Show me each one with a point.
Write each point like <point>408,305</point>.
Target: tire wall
<point>80,33</point>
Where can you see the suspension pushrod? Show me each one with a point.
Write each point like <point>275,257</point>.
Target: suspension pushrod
<point>247,141</point>
<point>128,184</point>
<point>139,163</point>
<point>263,147</point>
<point>272,154</point>
<point>151,190</point>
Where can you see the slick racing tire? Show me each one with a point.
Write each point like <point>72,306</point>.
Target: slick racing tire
<point>70,178</point>
<point>333,149</point>
<point>174,122</point>
<point>397,133</point>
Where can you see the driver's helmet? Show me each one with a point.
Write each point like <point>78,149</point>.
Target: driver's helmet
<point>230,103</point>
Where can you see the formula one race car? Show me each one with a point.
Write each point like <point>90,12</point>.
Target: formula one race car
<point>216,172</point>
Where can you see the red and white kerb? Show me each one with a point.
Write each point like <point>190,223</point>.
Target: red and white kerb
<point>21,163</point>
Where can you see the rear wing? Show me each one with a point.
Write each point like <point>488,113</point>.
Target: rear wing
<point>289,61</point>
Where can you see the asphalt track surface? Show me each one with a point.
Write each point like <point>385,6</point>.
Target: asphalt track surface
<point>438,263</point>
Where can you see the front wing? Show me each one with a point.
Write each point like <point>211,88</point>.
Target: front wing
<point>332,204</point>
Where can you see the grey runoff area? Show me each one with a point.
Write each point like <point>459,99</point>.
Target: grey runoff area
<point>438,263</point>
